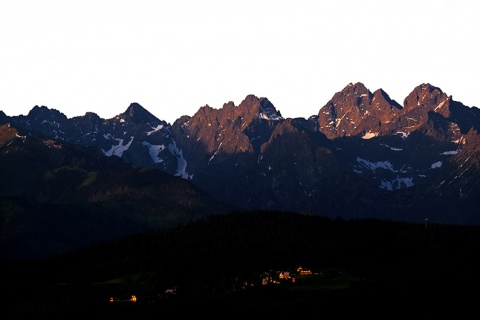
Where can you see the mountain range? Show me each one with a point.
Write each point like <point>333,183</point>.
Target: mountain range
<point>363,155</point>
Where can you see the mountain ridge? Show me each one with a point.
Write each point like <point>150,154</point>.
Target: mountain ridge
<point>362,155</point>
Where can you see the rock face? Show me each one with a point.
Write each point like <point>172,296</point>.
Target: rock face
<point>362,155</point>
<point>355,111</point>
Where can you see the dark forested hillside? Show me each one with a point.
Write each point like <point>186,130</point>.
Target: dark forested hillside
<point>378,264</point>
<point>56,196</point>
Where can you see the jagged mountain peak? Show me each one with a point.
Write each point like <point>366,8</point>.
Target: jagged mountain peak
<point>41,119</point>
<point>253,106</point>
<point>352,109</point>
<point>352,95</point>
<point>355,111</point>
<point>43,111</point>
<point>88,117</point>
<point>380,93</point>
<point>357,87</point>
<point>425,95</point>
<point>359,90</point>
<point>268,110</point>
<point>38,110</point>
<point>426,86</point>
<point>91,115</point>
<point>136,113</point>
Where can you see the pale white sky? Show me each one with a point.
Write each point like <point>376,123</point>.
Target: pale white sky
<point>174,57</point>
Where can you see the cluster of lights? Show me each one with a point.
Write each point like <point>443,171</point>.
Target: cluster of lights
<point>133,298</point>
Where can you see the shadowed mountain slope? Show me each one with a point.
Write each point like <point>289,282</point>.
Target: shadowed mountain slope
<point>56,196</point>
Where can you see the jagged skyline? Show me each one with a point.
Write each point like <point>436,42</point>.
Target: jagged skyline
<point>175,57</point>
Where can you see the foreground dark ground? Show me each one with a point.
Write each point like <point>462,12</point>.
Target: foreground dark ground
<point>216,267</point>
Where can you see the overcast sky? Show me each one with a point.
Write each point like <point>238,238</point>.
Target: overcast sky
<point>173,57</point>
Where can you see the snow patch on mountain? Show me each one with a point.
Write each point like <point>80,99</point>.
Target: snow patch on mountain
<point>376,165</point>
<point>396,184</point>
<point>154,150</point>
<point>391,148</point>
<point>448,153</point>
<point>437,164</point>
<point>181,162</point>
<point>369,135</point>
<point>118,149</point>
<point>439,106</point>
<point>215,153</point>
<point>157,128</point>
<point>403,134</point>
<point>270,114</point>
